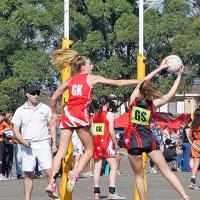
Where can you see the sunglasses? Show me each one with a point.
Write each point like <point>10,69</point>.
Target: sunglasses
<point>34,93</point>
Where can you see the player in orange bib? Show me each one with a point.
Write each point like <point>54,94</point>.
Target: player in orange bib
<point>105,146</point>
<point>139,138</point>
<point>193,134</point>
<point>75,113</point>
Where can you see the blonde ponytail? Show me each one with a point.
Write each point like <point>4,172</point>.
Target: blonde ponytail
<point>64,57</point>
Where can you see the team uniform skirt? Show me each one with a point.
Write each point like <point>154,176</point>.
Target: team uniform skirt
<point>139,140</point>
<point>74,118</point>
<point>103,149</point>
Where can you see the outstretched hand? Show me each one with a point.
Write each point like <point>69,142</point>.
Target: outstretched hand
<point>181,70</point>
<point>163,64</point>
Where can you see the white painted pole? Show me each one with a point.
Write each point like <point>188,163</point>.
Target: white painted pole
<point>141,26</point>
<point>66,19</point>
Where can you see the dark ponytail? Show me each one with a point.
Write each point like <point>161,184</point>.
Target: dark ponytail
<point>102,101</point>
<point>196,122</point>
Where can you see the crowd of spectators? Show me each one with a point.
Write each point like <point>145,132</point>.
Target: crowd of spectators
<point>177,143</point>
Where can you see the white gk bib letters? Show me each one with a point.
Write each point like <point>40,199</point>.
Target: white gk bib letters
<point>77,90</point>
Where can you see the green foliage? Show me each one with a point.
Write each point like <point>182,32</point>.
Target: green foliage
<point>104,30</point>
<point>111,40</point>
<point>127,32</point>
<point>180,7</point>
<point>28,30</point>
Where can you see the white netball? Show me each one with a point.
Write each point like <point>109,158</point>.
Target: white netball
<point>174,63</point>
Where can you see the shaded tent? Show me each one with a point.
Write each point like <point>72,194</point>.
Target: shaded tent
<point>160,118</point>
<point>184,118</point>
<point>168,119</point>
<point>122,121</point>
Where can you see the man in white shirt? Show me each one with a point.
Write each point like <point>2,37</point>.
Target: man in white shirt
<point>30,126</point>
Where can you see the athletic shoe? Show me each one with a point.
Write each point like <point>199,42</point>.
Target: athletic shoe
<point>19,176</point>
<point>179,169</point>
<point>3,178</point>
<point>84,175</point>
<point>153,171</point>
<point>193,186</point>
<point>52,191</point>
<point>115,196</point>
<point>72,180</point>
<point>90,174</point>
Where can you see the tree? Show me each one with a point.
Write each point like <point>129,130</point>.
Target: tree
<point>104,30</point>
<point>110,38</point>
<point>27,34</point>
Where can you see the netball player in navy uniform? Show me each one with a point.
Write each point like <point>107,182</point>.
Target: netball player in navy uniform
<point>140,138</point>
<point>75,114</point>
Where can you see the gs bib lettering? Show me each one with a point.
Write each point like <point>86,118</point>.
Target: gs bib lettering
<point>140,116</point>
<point>99,128</point>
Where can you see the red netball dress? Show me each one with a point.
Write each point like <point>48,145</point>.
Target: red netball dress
<point>139,134</point>
<point>76,113</point>
<point>102,141</point>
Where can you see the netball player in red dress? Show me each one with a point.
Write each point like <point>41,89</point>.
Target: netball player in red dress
<point>105,146</point>
<point>75,114</point>
<point>140,139</point>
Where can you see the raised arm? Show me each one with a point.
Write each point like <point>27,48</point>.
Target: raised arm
<point>136,91</point>
<point>159,102</point>
<point>162,66</point>
<point>93,79</point>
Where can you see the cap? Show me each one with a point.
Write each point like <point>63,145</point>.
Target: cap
<point>32,89</point>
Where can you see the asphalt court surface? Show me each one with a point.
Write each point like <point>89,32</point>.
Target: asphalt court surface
<point>158,187</point>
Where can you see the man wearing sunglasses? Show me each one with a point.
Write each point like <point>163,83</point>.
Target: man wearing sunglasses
<point>30,126</point>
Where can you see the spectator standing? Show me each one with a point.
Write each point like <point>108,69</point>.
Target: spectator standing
<point>179,154</point>
<point>174,137</point>
<point>160,138</point>
<point>8,147</point>
<point>18,159</point>
<point>186,148</point>
<point>30,126</point>
<point>193,134</point>
<point>166,134</point>
<point>3,127</point>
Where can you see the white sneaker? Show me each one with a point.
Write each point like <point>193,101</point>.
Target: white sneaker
<point>115,196</point>
<point>3,178</point>
<point>193,186</point>
<point>72,180</point>
<point>153,171</point>
<point>90,173</point>
<point>52,191</point>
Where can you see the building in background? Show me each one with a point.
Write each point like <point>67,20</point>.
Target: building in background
<point>184,103</point>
